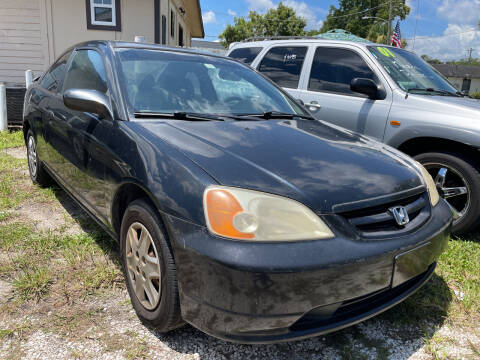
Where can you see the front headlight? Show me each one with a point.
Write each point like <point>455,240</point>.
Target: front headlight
<point>432,188</point>
<point>252,215</point>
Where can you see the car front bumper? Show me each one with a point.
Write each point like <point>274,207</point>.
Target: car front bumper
<point>263,292</point>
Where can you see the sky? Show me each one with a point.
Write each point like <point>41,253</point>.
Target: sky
<point>443,27</point>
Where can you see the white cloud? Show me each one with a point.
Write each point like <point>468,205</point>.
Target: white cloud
<point>209,17</point>
<point>451,47</point>
<point>260,5</point>
<point>464,12</point>
<point>301,8</point>
<point>304,11</point>
<point>231,12</point>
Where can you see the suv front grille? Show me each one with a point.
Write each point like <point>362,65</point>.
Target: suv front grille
<point>379,221</point>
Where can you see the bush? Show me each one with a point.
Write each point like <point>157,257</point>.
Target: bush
<point>475,95</point>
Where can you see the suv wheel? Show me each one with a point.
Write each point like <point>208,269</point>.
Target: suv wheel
<point>458,182</point>
<point>35,166</point>
<point>149,267</point>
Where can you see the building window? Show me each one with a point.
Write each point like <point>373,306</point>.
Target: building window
<point>172,23</point>
<point>180,36</point>
<point>103,15</point>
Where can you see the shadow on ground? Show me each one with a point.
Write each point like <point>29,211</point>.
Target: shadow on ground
<point>398,333</point>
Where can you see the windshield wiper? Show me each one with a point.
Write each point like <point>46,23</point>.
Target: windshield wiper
<point>432,90</point>
<point>276,115</point>
<point>178,115</point>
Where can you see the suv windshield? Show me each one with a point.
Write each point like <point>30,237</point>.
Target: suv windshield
<point>168,82</point>
<point>409,71</point>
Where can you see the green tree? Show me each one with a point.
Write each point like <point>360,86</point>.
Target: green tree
<point>279,21</point>
<point>431,60</point>
<point>472,61</point>
<point>350,15</point>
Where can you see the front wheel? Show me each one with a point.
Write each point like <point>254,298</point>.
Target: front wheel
<point>149,267</point>
<point>35,166</point>
<point>458,182</point>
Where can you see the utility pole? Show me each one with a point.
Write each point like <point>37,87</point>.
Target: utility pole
<point>470,55</point>
<point>389,36</point>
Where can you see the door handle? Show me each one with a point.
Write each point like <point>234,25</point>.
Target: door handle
<point>315,105</point>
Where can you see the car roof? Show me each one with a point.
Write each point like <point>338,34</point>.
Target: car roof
<point>116,44</point>
<point>263,43</point>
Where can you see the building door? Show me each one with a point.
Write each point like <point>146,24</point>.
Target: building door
<point>180,36</point>
<point>466,85</point>
<point>156,9</point>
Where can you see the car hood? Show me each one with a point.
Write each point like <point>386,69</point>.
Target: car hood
<point>458,106</point>
<point>317,164</point>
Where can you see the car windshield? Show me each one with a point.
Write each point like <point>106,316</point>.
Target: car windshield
<point>158,81</point>
<point>409,71</point>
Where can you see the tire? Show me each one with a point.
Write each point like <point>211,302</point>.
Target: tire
<point>459,166</point>
<point>37,171</point>
<point>164,315</point>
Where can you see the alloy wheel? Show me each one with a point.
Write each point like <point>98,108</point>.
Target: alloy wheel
<point>451,186</point>
<point>143,265</point>
<point>32,156</point>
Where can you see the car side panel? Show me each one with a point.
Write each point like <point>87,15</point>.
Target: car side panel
<point>136,156</point>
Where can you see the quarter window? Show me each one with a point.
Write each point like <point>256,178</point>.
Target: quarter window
<point>246,55</point>
<point>103,14</point>
<point>86,71</point>
<point>52,79</point>
<point>334,69</point>
<point>283,65</point>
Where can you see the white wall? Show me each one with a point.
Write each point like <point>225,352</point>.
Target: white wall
<point>23,39</point>
<point>33,33</point>
<point>474,86</point>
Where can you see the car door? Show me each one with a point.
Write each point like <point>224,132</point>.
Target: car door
<point>283,64</point>
<point>326,91</point>
<point>48,89</point>
<point>81,143</point>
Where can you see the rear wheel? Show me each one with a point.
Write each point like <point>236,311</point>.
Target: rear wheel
<point>35,166</point>
<point>458,182</point>
<point>149,267</point>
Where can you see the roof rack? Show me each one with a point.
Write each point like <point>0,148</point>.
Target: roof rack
<point>265,38</point>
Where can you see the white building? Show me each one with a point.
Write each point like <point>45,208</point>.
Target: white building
<point>464,77</point>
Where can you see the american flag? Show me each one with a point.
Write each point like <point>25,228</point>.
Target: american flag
<point>397,36</point>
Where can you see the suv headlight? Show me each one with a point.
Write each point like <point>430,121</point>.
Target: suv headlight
<point>253,215</point>
<point>431,187</point>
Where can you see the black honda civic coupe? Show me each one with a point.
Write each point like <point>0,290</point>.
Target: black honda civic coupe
<point>234,209</point>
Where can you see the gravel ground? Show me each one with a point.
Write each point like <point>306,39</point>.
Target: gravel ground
<point>104,325</point>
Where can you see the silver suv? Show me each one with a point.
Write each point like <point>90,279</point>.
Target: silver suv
<point>389,94</point>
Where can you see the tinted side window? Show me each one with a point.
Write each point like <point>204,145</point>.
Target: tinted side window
<point>333,70</point>
<point>246,55</point>
<point>284,65</point>
<point>55,74</point>
<point>86,72</point>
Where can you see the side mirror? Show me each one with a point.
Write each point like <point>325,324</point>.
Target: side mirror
<point>368,87</point>
<point>300,101</point>
<point>92,101</point>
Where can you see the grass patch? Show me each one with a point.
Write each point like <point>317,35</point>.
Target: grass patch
<point>11,191</point>
<point>10,139</point>
<point>459,265</point>
<point>33,283</point>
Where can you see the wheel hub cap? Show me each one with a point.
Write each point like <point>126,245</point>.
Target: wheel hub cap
<point>32,156</point>
<point>451,186</point>
<point>143,266</point>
